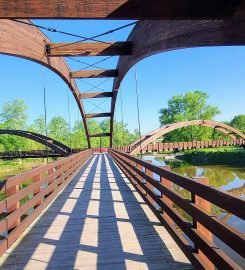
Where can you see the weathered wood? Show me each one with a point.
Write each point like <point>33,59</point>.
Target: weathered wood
<point>97,222</point>
<point>232,237</point>
<point>88,49</point>
<point>93,115</point>
<point>117,9</point>
<point>100,73</point>
<point>96,95</point>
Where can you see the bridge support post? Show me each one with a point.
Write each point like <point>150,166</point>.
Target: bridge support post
<point>166,200</point>
<point>9,192</point>
<point>151,188</point>
<point>36,191</point>
<point>202,231</point>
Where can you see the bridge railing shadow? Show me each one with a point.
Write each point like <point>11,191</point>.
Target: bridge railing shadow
<point>97,222</point>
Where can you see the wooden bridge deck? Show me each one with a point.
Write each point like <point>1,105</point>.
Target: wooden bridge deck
<point>98,222</point>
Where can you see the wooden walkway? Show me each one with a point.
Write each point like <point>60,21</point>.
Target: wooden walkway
<point>98,222</point>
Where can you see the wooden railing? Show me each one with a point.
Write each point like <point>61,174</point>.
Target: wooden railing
<point>194,234</point>
<point>160,147</point>
<point>27,194</point>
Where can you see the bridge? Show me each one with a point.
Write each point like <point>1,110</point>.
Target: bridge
<point>180,146</point>
<point>102,211</point>
<point>56,146</point>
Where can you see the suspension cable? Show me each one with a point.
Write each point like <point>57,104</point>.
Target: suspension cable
<point>122,117</point>
<point>138,110</point>
<point>45,112</point>
<point>90,65</point>
<point>93,38</point>
<point>69,118</point>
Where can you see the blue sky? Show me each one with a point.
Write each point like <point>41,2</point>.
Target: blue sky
<point>219,71</point>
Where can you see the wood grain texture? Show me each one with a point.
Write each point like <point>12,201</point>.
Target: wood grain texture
<point>88,49</point>
<point>94,115</point>
<point>28,42</point>
<point>117,9</point>
<point>98,222</point>
<point>94,73</point>
<point>96,95</point>
<point>151,37</point>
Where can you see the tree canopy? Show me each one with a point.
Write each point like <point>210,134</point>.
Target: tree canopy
<point>14,116</point>
<point>190,106</point>
<point>239,122</point>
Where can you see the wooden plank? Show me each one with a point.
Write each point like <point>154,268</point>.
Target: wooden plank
<point>215,196</point>
<point>96,95</point>
<point>93,115</point>
<point>100,73</point>
<point>214,253</point>
<point>117,9</point>
<point>88,49</point>
<point>102,222</point>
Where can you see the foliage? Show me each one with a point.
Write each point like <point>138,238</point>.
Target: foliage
<point>190,106</point>
<point>14,116</point>
<point>239,122</point>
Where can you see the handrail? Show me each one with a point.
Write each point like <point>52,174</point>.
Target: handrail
<point>159,147</point>
<point>44,183</point>
<point>140,173</point>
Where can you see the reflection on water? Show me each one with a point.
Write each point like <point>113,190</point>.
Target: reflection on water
<point>229,179</point>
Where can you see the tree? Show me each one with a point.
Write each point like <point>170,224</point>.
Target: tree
<point>38,125</point>
<point>239,122</point>
<point>13,116</point>
<point>190,106</point>
<point>58,129</point>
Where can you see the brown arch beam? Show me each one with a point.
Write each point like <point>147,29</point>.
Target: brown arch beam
<point>28,42</point>
<point>226,129</point>
<point>118,9</point>
<point>152,37</point>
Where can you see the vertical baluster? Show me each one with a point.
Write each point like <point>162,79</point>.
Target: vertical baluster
<point>202,231</point>
<point>168,184</point>
<point>35,179</point>
<point>150,174</point>
<point>11,191</point>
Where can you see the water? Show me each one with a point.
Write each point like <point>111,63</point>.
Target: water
<point>227,178</point>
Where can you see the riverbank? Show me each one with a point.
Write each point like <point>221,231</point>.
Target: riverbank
<point>232,156</point>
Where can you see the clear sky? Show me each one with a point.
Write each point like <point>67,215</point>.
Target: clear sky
<point>219,71</point>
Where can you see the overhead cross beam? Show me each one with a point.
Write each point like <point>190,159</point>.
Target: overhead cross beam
<point>93,115</point>
<point>118,9</point>
<point>100,73</point>
<point>96,95</point>
<point>88,49</point>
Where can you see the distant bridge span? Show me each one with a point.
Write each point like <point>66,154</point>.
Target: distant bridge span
<point>153,135</point>
<point>56,146</point>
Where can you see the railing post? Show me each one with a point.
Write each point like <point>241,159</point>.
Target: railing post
<point>36,191</point>
<point>9,192</point>
<point>202,231</point>
<point>168,184</point>
<point>148,185</point>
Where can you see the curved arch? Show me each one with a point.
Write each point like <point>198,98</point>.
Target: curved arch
<point>28,42</point>
<point>152,37</point>
<point>153,135</point>
<point>51,143</point>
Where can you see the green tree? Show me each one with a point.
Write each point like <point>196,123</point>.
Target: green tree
<point>58,129</point>
<point>13,116</point>
<point>239,122</point>
<point>190,106</point>
<point>38,125</point>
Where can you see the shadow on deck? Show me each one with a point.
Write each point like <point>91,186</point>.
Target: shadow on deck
<point>98,222</point>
